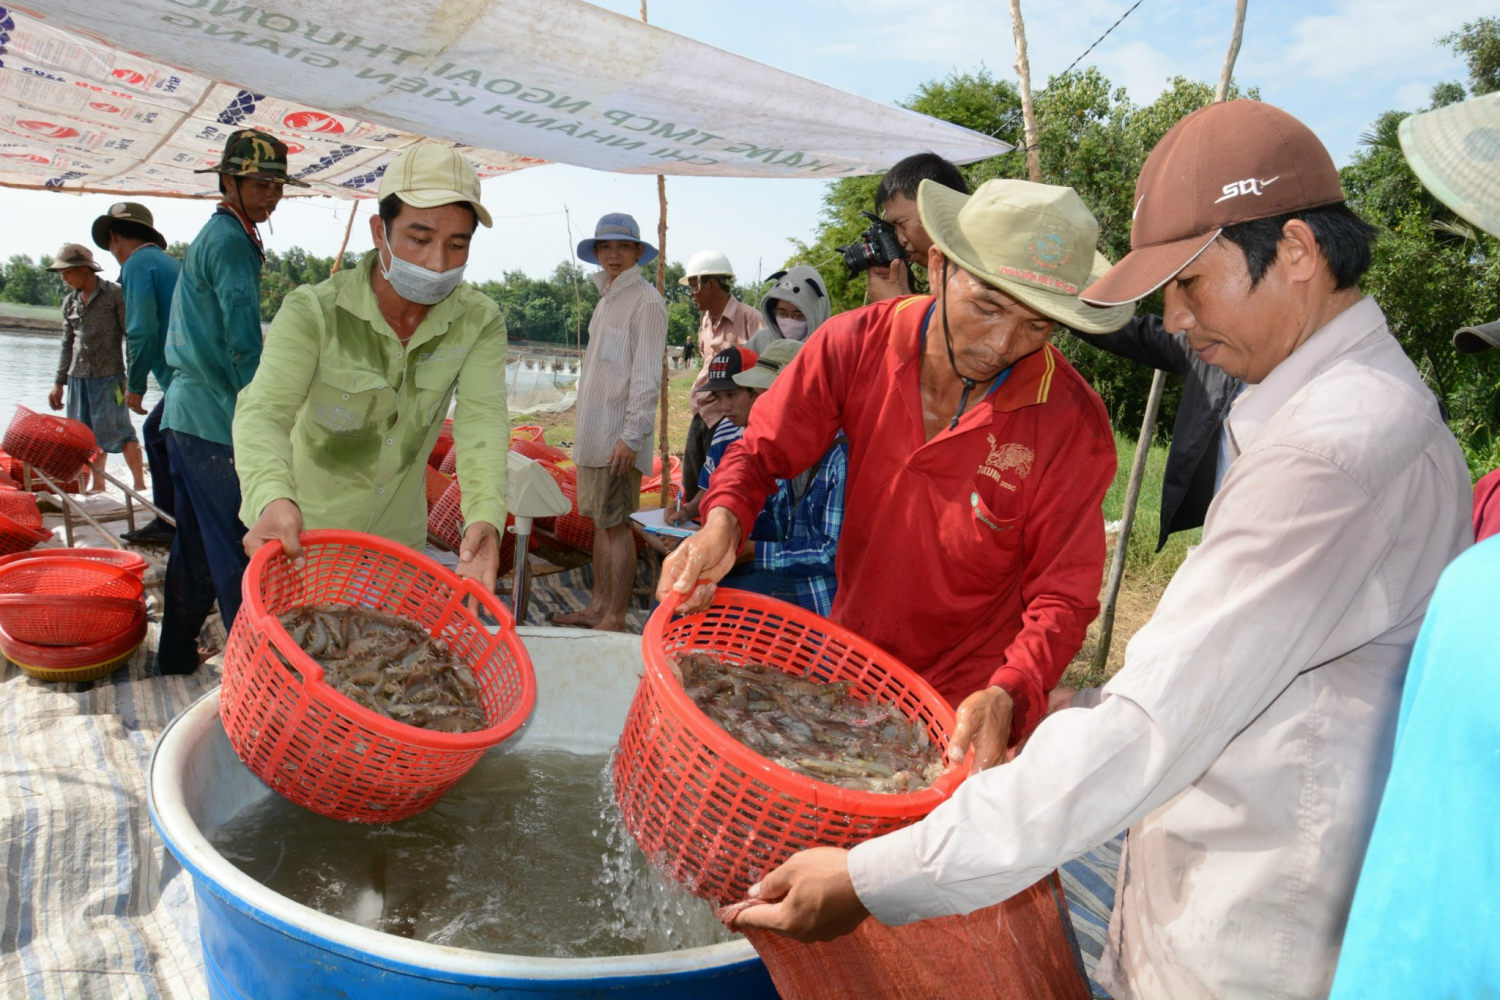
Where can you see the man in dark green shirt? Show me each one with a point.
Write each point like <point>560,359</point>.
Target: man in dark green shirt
<point>148,277</point>
<point>213,348</point>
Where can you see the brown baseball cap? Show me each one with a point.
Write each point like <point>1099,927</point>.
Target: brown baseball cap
<point>1221,165</point>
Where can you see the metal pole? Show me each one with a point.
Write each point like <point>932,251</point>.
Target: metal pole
<point>72,506</point>
<point>520,595</point>
<point>131,493</point>
<point>1148,423</point>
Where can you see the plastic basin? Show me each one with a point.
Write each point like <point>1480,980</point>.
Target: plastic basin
<point>259,944</point>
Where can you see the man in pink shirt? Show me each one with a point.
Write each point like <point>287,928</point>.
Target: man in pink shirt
<point>726,322</point>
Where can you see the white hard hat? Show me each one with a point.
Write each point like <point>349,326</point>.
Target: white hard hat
<point>707,262</point>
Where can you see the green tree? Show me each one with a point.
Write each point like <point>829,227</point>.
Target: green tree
<point>1478,42</point>
<point>31,284</point>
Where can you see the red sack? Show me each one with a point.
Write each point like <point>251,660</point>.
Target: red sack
<point>1021,949</point>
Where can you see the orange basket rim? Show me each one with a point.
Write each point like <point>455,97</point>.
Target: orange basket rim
<point>129,561</point>
<point>822,794</point>
<point>312,670</point>
<point>60,563</point>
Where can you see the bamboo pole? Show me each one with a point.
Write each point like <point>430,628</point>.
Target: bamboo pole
<point>662,447</point>
<point>1148,423</point>
<point>338,262</point>
<point>1028,109</point>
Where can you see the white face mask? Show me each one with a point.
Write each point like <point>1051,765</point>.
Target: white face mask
<point>415,283</point>
<point>792,329</point>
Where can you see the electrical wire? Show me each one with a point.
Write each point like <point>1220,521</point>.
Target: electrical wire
<point>1101,38</point>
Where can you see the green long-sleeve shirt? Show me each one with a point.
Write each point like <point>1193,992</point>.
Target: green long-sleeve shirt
<point>213,337</point>
<point>341,416</point>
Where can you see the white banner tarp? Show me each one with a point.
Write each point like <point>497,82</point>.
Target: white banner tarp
<point>135,94</point>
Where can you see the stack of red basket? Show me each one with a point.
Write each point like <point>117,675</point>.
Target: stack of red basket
<point>68,617</point>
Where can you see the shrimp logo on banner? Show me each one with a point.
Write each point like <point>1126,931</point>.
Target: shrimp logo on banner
<point>50,130</point>
<point>129,76</point>
<point>313,121</point>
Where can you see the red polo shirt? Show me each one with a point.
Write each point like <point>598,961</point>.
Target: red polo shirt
<point>974,558</point>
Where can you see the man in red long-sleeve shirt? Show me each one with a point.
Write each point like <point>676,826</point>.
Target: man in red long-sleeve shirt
<point>973,542</point>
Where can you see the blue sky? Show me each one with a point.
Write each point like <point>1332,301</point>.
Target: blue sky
<point>1335,64</point>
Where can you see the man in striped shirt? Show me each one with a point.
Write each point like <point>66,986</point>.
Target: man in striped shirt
<point>617,392</point>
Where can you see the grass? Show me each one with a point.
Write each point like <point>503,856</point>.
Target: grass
<point>1147,572</point>
<point>562,427</point>
<point>30,312</point>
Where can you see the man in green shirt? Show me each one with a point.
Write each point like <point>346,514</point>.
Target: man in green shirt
<point>358,372</point>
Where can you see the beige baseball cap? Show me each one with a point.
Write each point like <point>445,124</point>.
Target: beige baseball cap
<point>1455,152</point>
<point>777,355</point>
<point>430,174</point>
<point>1037,243</point>
<point>73,255</point>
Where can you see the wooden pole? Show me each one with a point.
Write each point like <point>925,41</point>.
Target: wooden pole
<point>1028,110</point>
<point>662,449</point>
<point>1148,423</point>
<point>338,262</point>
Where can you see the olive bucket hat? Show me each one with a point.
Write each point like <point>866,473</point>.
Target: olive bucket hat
<point>126,211</point>
<point>255,154</point>
<point>1037,243</point>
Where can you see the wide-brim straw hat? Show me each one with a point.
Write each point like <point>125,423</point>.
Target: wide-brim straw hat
<point>1037,243</point>
<point>1455,152</point>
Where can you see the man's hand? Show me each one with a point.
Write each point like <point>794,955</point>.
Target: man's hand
<point>889,282</point>
<point>281,521</point>
<point>479,555</point>
<point>810,898</point>
<point>984,723</point>
<point>1060,698</point>
<point>133,400</point>
<point>54,398</point>
<point>622,459</point>
<point>707,554</point>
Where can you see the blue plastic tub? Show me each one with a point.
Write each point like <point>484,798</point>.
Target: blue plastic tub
<point>259,945</point>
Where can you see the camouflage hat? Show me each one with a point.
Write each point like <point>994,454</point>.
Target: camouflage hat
<point>126,211</point>
<point>255,154</point>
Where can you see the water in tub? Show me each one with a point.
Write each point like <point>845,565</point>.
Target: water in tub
<point>526,856</point>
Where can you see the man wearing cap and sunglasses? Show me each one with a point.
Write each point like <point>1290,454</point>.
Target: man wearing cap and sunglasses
<point>972,544</point>
<point>1245,741</point>
<point>148,277</point>
<point>213,348</point>
<point>359,371</point>
<point>618,387</point>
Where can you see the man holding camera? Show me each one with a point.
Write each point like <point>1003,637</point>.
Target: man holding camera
<point>726,322</point>
<point>896,203</point>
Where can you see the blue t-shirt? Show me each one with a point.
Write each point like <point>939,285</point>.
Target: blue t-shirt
<point>1424,914</point>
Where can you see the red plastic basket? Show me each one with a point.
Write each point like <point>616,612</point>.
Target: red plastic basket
<point>318,748</point>
<point>21,508</point>
<point>58,446</point>
<point>15,538</point>
<point>82,662</point>
<point>442,445</point>
<point>712,813</point>
<point>66,601</point>
<point>132,561</point>
<point>445,523</point>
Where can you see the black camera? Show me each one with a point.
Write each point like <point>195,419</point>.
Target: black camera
<point>876,247</point>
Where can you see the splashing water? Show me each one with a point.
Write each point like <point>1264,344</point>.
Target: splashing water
<point>526,856</point>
